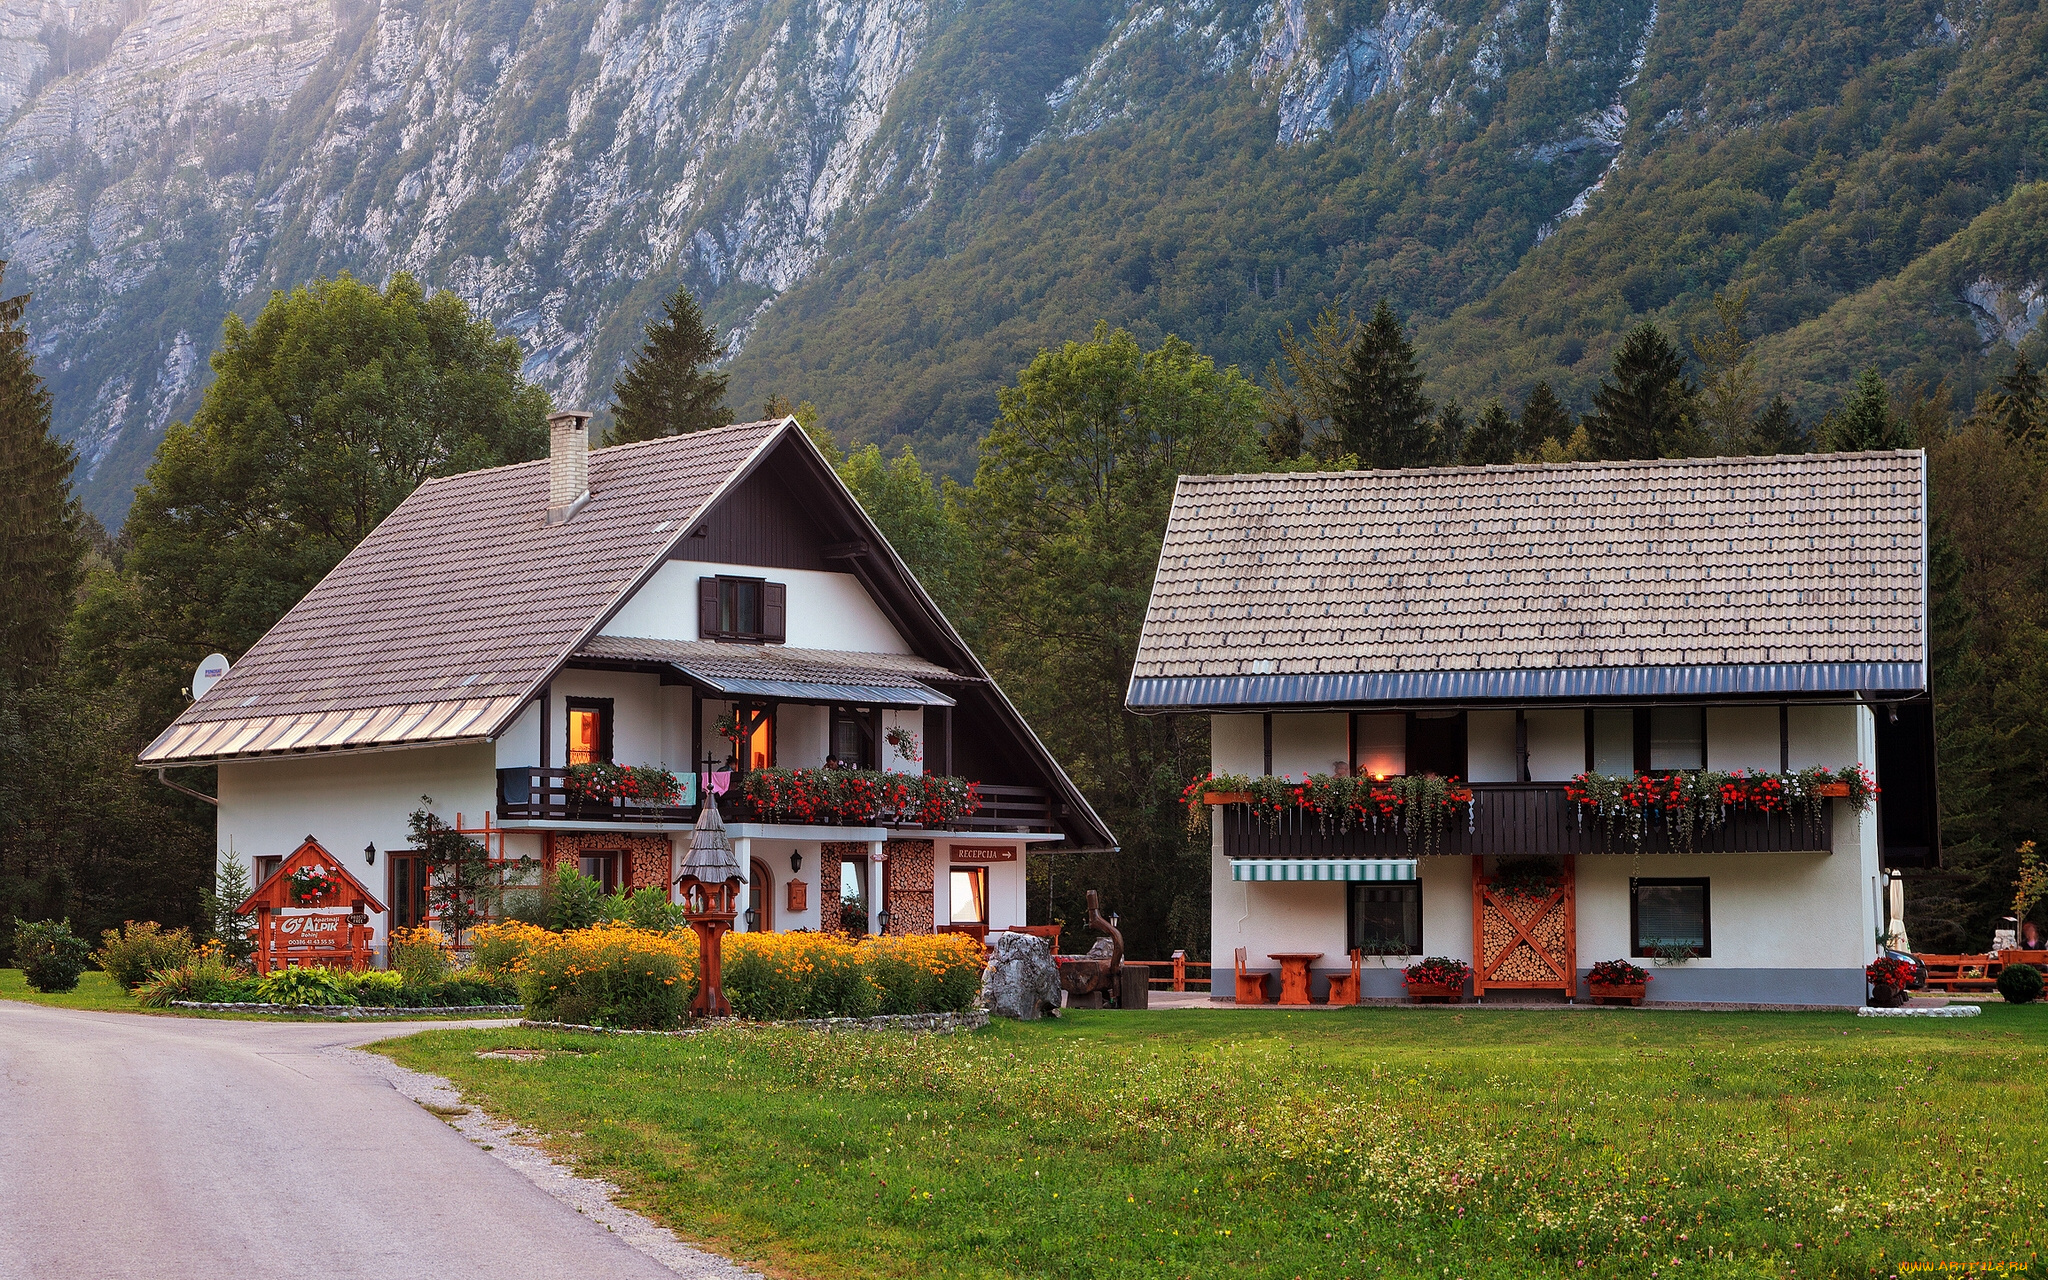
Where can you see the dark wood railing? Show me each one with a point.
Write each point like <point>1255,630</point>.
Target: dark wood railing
<point>1514,818</point>
<point>537,794</point>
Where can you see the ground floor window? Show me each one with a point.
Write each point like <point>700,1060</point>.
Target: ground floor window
<point>601,867</point>
<point>1667,917</point>
<point>1386,919</point>
<point>970,895</point>
<point>408,891</point>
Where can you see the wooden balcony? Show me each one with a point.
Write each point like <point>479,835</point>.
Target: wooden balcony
<point>1514,819</point>
<point>541,795</point>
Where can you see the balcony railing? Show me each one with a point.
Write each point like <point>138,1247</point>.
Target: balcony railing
<point>536,794</point>
<point>1515,818</point>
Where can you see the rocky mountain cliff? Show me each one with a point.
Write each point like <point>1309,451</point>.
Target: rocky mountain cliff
<point>889,204</point>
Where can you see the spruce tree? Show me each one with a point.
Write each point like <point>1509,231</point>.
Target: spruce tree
<point>1380,413</point>
<point>1865,420</point>
<point>2018,404</point>
<point>1493,440</point>
<point>1644,407</point>
<point>1778,430</point>
<point>1451,430</point>
<point>670,389</point>
<point>39,534</point>
<point>1543,418</point>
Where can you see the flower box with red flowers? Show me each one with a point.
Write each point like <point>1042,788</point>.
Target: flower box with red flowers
<point>1437,978</point>
<point>1617,980</point>
<point>313,889</point>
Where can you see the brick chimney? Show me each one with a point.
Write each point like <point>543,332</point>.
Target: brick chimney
<point>568,465</point>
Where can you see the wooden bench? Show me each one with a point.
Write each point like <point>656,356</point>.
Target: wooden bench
<point>1251,987</point>
<point>1961,972</point>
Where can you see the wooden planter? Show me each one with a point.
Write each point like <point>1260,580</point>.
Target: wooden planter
<point>1227,797</point>
<point>1632,992</point>
<point>1424,992</point>
<point>1840,790</point>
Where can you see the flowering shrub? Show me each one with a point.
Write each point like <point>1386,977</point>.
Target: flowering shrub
<point>1887,971</point>
<point>1438,971</point>
<point>774,976</point>
<point>859,797</point>
<point>1617,973</point>
<point>420,956</point>
<point>205,975</point>
<point>495,948</point>
<point>131,953</point>
<point>1420,806</point>
<point>609,975</point>
<point>50,955</point>
<point>635,784</point>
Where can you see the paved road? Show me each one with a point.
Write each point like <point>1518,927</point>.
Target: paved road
<point>178,1147</point>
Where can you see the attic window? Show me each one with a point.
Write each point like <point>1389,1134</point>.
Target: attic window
<point>743,610</point>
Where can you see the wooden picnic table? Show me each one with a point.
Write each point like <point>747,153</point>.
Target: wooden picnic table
<point>1294,965</point>
<point>1977,972</point>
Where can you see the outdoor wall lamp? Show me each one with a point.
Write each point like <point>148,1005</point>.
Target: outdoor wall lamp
<point>882,919</point>
<point>752,917</point>
<point>796,860</point>
<point>370,853</point>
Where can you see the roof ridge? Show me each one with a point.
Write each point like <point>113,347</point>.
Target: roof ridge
<point>1556,467</point>
<point>630,444</point>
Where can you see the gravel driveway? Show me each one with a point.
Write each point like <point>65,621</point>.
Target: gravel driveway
<point>169,1148</point>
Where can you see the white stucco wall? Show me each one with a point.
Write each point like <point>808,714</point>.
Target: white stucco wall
<point>826,610</point>
<point>648,728</point>
<point>346,801</point>
<point>1490,746</point>
<point>911,722</point>
<point>1742,738</point>
<point>803,734</point>
<point>1557,743</point>
<point>1237,744</point>
<point>1315,742</point>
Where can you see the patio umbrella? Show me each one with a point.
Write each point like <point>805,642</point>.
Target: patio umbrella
<point>1895,916</point>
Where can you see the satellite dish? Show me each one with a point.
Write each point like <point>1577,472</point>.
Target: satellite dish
<point>211,669</point>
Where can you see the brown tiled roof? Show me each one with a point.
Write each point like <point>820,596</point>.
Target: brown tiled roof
<point>1815,559</point>
<point>446,618</point>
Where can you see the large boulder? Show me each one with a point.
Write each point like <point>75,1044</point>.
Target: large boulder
<point>1021,981</point>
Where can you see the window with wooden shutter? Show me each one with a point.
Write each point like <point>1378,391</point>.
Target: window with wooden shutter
<point>774,612</point>
<point>707,608</point>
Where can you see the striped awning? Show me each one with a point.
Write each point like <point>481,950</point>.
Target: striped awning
<point>1322,868</point>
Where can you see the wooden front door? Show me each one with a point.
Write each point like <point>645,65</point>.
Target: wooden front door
<point>760,897</point>
<point>1525,937</point>
<point>408,891</point>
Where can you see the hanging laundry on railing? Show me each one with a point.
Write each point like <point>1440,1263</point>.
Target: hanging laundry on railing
<point>719,782</point>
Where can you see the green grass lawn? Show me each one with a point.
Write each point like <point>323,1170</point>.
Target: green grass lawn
<point>95,990</point>
<point>1202,1144</point>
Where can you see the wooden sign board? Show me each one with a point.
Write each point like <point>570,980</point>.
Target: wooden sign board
<point>984,853</point>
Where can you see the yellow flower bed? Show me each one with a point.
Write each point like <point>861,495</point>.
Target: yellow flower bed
<point>815,975</point>
<point>495,948</point>
<point>610,974</point>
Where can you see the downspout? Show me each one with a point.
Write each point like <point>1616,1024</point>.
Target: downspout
<point>196,795</point>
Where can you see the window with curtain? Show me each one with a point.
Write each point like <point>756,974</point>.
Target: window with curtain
<point>970,895</point>
<point>1386,919</point>
<point>1669,913</point>
<point>590,730</point>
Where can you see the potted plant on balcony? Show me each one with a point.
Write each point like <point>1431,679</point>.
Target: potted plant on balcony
<point>1617,980</point>
<point>1437,978</point>
<point>1888,979</point>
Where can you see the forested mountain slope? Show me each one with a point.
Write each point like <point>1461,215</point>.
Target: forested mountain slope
<point>891,204</point>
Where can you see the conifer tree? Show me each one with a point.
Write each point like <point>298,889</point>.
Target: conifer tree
<point>1644,407</point>
<point>1451,430</point>
<point>1866,420</point>
<point>39,532</point>
<point>1380,413</point>
<point>2018,403</point>
<point>1493,440</point>
<point>670,389</point>
<point>1543,418</point>
<point>1778,430</point>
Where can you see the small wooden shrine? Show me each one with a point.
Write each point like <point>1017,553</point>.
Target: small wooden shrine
<point>330,924</point>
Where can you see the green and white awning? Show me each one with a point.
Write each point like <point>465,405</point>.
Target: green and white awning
<point>1322,868</point>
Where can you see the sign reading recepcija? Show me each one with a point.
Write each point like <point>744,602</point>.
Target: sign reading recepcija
<point>984,853</point>
<point>211,668</point>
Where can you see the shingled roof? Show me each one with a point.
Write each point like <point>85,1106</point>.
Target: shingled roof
<point>1676,578</point>
<point>443,622</point>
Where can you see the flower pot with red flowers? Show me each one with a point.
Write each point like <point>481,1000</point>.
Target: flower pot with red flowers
<point>311,888</point>
<point>1617,980</point>
<point>1437,978</point>
<point>1888,978</point>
